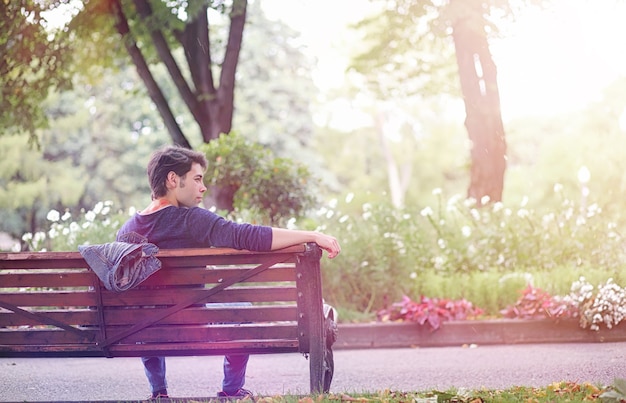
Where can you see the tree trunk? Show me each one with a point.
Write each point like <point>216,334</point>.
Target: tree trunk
<point>214,105</point>
<point>211,106</point>
<point>143,70</point>
<point>398,180</point>
<point>483,120</point>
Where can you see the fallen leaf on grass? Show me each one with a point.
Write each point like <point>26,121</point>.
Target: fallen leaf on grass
<point>346,398</point>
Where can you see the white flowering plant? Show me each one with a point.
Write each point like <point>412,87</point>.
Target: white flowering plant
<point>98,225</point>
<point>604,308</point>
<point>455,249</point>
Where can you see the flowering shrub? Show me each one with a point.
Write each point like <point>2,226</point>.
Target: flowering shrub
<point>98,225</point>
<point>605,307</point>
<point>389,252</point>
<point>433,311</point>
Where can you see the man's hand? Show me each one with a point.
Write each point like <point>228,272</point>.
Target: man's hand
<point>329,244</point>
<point>281,238</point>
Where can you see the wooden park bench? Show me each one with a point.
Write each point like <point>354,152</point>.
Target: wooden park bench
<point>53,305</point>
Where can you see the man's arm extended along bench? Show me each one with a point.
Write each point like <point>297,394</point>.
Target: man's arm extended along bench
<point>51,304</point>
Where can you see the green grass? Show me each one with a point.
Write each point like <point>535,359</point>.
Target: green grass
<point>556,392</point>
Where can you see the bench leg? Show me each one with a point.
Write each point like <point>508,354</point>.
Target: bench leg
<point>322,364</point>
<point>330,336</point>
<point>329,367</point>
<point>316,366</point>
<point>313,317</point>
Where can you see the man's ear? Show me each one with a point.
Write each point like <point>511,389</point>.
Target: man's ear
<point>172,180</point>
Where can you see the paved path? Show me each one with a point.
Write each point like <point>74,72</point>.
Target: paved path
<point>421,369</point>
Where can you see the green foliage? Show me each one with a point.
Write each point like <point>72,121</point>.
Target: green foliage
<point>102,132</point>
<point>616,393</point>
<point>455,250</point>
<point>232,159</point>
<point>280,190</point>
<point>97,147</point>
<point>33,60</point>
<point>573,392</point>
<point>274,104</point>
<point>30,183</point>
<point>96,226</point>
<point>276,188</point>
<point>380,247</point>
<point>96,45</point>
<point>394,39</point>
<point>595,140</point>
<point>554,392</point>
<point>406,31</point>
<point>359,165</point>
<point>109,132</point>
<point>493,291</point>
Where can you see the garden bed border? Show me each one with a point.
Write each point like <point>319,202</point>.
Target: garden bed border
<point>479,332</point>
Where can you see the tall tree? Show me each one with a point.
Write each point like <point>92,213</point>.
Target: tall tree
<point>107,113</point>
<point>479,85</point>
<point>416,46</point>
<point>153,30</point>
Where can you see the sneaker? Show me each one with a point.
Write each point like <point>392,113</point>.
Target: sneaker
<point>242,393</point>
<point>160,394</point>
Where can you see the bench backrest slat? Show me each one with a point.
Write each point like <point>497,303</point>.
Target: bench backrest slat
<point>173,276</point>
<point>89,317</point>
<point>86,298</point>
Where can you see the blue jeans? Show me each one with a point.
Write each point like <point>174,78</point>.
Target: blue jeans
<point>234,365</point>
<point>234,372</point>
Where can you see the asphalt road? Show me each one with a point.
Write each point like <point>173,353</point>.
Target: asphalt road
<point>407,369</point>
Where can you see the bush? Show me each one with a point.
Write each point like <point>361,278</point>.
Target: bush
<point>274,189</point>
<point>457,250</point>
<point>453,252</point>
<point>95,226</point>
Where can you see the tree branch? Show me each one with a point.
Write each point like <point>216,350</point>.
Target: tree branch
<point>143,70</point>
<point>163,49</point>
<point>196,43</point>
<point>229,67</point>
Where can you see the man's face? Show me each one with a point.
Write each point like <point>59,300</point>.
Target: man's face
<point>191,187</point>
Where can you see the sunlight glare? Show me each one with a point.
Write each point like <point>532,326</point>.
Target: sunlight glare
<point>561,58</point>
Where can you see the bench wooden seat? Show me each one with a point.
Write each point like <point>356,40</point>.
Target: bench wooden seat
<point>201,302</point>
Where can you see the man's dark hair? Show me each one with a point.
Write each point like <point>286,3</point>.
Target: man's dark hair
<point>168,159</point>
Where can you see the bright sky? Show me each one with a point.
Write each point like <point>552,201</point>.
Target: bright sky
<point>554,60</point>
<point>323,25</point>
